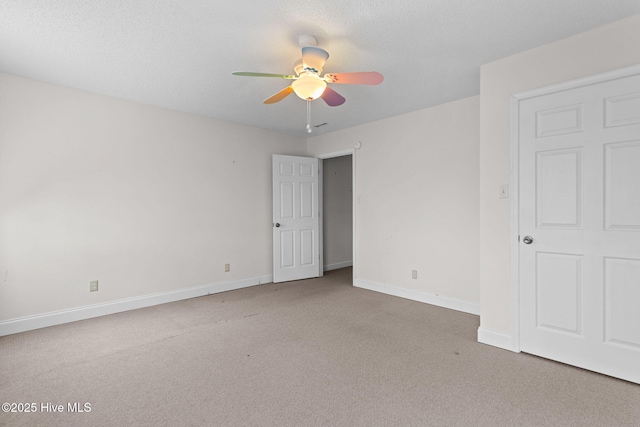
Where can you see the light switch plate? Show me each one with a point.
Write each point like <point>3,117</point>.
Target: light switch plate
<point>504,191</point>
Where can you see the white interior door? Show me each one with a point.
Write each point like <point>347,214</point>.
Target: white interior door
<point>296,218</point>
<point>579,219</point>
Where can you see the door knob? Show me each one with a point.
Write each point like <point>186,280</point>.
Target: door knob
<point>277,224</point>
<point>527,240</point>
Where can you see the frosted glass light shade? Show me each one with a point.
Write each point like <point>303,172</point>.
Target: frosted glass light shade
<point>309,86</point>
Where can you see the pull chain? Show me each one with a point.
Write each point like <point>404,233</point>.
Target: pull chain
<point>309,117</point>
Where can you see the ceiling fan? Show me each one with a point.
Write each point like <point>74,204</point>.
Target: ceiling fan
<point>308,83</point>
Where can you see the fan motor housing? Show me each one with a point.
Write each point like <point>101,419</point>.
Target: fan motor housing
<point>307,40</point>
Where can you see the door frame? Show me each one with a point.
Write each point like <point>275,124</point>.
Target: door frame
<point>515,178</point>
<point>349,152</point>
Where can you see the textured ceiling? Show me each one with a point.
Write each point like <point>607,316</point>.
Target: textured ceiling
<point>180,54</point>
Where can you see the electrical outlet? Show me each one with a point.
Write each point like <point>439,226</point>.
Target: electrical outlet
<point>414,274</point>
<point>93,286</point>
<point>227,268</point>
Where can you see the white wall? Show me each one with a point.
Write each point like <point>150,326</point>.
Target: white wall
<point>143,199</point>
<point>337,207</point>
<point>417,201</point>
<point>603,49</point>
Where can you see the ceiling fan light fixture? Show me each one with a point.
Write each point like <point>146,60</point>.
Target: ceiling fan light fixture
<point>309,86</point>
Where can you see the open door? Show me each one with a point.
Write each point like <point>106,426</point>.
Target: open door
<point>579,218</point>
<point>296,218</point>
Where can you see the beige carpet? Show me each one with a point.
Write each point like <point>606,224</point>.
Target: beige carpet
<point>314,352</point>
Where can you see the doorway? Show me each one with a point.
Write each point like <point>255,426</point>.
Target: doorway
<point>338,210</point>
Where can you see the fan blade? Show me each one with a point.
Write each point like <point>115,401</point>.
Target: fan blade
<point>249,74</point>
<point>314,58</point>
<point>279,96</point>
<point>361,78</point>
<point>332,98</point>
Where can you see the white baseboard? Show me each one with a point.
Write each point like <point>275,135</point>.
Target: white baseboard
<point>495,338</point>
<point>338,265</point>
<point>433,299</point>
<point>28,323</point>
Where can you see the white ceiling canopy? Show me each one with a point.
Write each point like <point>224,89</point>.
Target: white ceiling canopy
<point>180,54</point>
